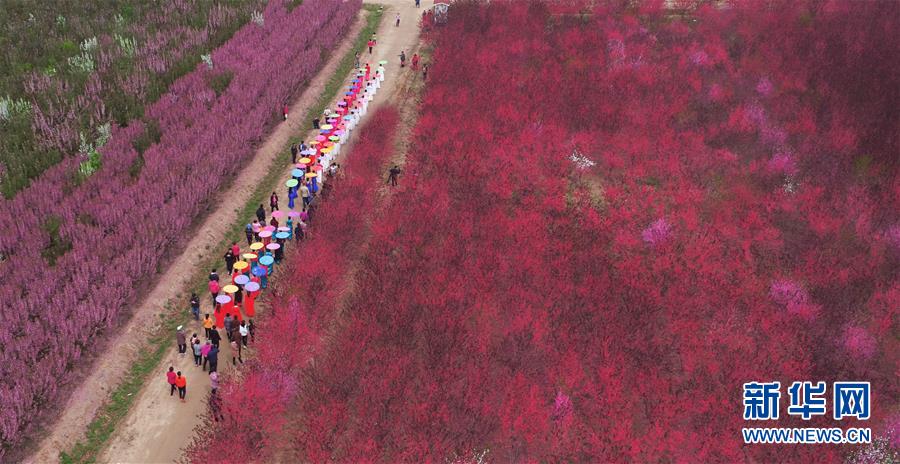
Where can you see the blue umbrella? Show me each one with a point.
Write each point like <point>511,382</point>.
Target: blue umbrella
<point>266,260</point>
<point>259,271</point>
<point>282,235</point>
<point>297,173</point>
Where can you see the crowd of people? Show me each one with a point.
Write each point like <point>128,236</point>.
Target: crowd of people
<point>248,268</point>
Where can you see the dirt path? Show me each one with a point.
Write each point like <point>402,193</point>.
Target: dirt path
<point>108,369</point>
<point>159,426</point>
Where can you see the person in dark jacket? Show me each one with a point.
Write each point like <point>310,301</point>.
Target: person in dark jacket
<point>261,214</point>
<point>214,337</point>
<point>229,260</point>
<point>392,176</point>
<point>195,306</point>
<point>294,154</point>
<point>213,357</point>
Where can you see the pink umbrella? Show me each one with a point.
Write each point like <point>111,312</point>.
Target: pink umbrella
<point>269,228</point>
<point>317,167</point>
<point>265,234</point>
<point>321,138</point>
<point>273,246</point>
<point>278,214</point>
<point>293,214</point>
<point>339,132</point>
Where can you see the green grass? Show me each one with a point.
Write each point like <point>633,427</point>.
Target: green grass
<point>102,427</point>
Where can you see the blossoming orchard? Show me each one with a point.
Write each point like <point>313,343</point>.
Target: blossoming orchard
<point>459,231</point>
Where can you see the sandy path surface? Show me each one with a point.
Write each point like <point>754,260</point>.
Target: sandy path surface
<point>112,364</point>
<point>159,426</point>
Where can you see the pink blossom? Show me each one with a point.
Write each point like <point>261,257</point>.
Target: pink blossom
<point>657,233</point>
<point>764,87</point>
<point>783,163</point>
<point>859,342</point>
<point>562,406</point>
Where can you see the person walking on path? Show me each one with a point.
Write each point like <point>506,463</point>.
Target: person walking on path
<point>229,260</point>
<point>397,23</point>
<point>425,72</point>
<point>215,337</point>
<point>214,382</point>
<point>204,352</point>
<point>392,176</point>
<point>236,353</point>
<point>304,193</point>
<point>285,112</point>
<point>273,201</point>
<point>235,249</point>
<point>170,377</point>
<point>228,322</point>
<point>248,231</point>
<point>357,60</point>
<point>370,43</point>
<point>181,383</point>
<point>403,59</point>
<point>213,357</point>
<point>214,289</point>
<point>207,326</point>
<point>417,3</point>
<point>213,275</point>
<point>251,329</point>
<point>244,331</point>
<point>261,213</point>
<point>415,62</point>
<point>255,226</point>
<point>198,352</point>
<point>180,338</point>
<point>195,306</point>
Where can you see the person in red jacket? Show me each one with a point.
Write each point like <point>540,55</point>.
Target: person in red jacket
<point>181,383</point>
<point>214,289</point>
<point>170,377</point>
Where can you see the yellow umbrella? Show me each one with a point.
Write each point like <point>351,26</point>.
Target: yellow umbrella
<point>310,175</point>
<point>249,256</point>
<point>305,160</point>
<point>241,265</point>
<point>230,288</point>
<point>326,127</point>
<point>256,246</point>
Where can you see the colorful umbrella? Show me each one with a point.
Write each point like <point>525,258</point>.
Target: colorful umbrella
<point>281,236</point>
<point>241,279</point>
<point>256,246</point>
<point>309,175</point>
<point>304,160</point>
<point>222,299</point>
<point>269,228</point>
<point>292,182</point>
<point>293,214</point>
<point>267,260</point>
<point>230,289</point>
<point>334,138</point>
<point>266,233</point>
<point>325,150</point>
<point>260,271</point>
<point>296,173</point>
<point>283,229</point>
<point>382,62</point>
<point>271,247</point>
<point>348,118</point>
<point>241,265</point>
<point>250,256</point>
<point>277,214</point>
<point>339,132</point>
<point>326,127</point>
<point>252,286</point>
<point>321,138</point>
